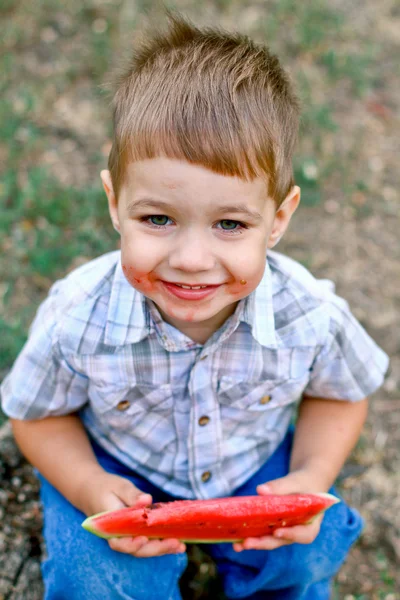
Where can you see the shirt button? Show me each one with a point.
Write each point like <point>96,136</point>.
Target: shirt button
<point>123,405</point>
<point>204,420</point>
<point>206,476</point>
<point>265,399</point>
<point>204,357</point>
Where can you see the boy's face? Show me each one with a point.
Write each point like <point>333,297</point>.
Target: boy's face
<point>183,226</point>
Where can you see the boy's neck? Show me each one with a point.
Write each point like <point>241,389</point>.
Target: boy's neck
<point>201,331</point>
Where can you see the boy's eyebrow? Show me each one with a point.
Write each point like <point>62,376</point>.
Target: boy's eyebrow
<point>133,205</point>
<point>241,208</point>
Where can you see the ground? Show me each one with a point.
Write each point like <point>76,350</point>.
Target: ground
<point>54,138</point>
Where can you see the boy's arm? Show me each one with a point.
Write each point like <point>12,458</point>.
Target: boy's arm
<point>326,432</point>
<point>60,449</point>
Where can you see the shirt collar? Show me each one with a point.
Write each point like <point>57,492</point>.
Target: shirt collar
<point>128,319</point>
<point>258,311</point>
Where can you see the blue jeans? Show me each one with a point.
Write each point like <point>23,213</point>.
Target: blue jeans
<point>81,566</point>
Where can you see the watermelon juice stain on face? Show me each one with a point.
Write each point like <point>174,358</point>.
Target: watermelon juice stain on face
<point>143,282</point>
<point>241,288</point>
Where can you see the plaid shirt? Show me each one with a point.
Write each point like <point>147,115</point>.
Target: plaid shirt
<point>197,420</point>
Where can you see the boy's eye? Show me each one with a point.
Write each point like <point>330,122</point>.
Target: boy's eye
<point>229,225</point>
<point>159,220</point>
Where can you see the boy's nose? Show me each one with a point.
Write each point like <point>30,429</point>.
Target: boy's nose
<point>191,253</point>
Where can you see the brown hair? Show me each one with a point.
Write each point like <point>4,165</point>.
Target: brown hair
<point>208,97</point>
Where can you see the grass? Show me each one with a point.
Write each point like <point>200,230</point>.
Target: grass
<point>44,238</point>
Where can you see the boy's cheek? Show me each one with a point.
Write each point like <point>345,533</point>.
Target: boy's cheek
<point>247,278</point>
<point>140,280</point>
<point>239,288</point>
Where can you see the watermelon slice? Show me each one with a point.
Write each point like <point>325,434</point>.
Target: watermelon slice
<point>211,521</point>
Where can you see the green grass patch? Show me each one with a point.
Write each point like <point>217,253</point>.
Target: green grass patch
<point>46,226</point>
<point>13,337</point>
<point>357,68</point>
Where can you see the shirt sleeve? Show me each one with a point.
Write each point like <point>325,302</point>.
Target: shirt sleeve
<point>41,382</point>
<point>350,365</point>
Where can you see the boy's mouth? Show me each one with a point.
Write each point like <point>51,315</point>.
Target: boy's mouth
<point>192,287</point>
<point>189,292</point>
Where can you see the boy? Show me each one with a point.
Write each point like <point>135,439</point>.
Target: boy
<point>173,369</point>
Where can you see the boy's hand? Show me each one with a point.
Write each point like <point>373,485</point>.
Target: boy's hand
<point>302,482</point>
<point>104,492</point>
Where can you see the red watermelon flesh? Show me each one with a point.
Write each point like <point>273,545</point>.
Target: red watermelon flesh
<point>216,520</point>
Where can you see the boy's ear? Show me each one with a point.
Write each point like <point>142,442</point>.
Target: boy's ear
<point>283,215</point>
<point>112,201</point>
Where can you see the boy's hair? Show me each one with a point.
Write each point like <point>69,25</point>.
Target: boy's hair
<point>208,97</point>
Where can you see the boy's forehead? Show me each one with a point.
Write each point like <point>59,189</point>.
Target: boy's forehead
<point>175,174</point>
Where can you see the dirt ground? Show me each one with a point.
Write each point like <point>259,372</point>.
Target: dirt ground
<point>349,235</point>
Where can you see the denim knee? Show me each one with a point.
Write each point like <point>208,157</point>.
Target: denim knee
<point>323,558</point>
<point>294,566</point>
<point>111,576</point>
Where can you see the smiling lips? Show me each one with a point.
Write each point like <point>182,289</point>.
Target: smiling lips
<point>190,292</point>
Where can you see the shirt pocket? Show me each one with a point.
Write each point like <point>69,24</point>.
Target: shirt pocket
<point>254,408</point>
<point>143,411</point>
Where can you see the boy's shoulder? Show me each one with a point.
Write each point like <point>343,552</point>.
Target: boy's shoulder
<point>76,309</point>
<point>288,275</point>
<point>305,308</point>
<point>87,282</point>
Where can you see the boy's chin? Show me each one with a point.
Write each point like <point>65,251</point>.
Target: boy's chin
<point>197,316</point>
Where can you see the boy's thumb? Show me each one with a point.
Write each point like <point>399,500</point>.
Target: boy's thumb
<point>283,485</point>
<point>130,495</point>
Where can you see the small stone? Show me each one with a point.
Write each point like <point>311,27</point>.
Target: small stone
<point>376,164</point>
<point>358,198</point>
<point>331,206</point>
<point>204,568</point>
<point>310,171</point>
<point>68,146</point>
<point>19,106</point>
<point>367,586</point>
<point>390,385</point>
<point>99,25</point>
<point>349,213</point>
<point>48,35</point>
<point>389,193</point>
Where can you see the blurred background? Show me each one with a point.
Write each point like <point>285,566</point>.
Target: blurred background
<point>55,129</point>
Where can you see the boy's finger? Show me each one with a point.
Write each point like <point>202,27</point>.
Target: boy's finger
<point>262,543</point>
<point>301,534</point>
<point>131,495</point>
<point>160,547</point>
<point>142,547</point>
<point>128,545</point>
